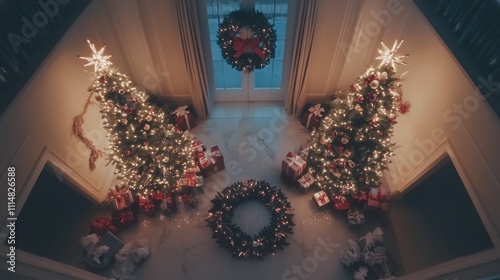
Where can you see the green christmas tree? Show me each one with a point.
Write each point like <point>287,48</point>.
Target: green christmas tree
<point>350,150</point>
<point>148,152</point>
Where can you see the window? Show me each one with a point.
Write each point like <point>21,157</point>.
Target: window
<point>261,84</point>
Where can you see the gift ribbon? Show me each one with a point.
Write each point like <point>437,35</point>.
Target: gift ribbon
<point>315,111</point>
<point>102,224</point>
<point>295,159</point>
<point>126,216</point>
<point>210,155</point>
<point>182,111</point>
<point>322,198</point>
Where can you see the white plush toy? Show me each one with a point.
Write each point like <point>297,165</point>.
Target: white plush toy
<point>142,251</point>
<point>88,242</point>
<point>361,273</point>
<point>136,251</point>
<point>98,252</point>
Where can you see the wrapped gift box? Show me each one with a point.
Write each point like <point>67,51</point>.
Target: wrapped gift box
<point>340,203</point>
<point>168,204</point>
<point>311,118</point>
<point>380,194</point>
<point>355,217</point>
<point>189,199</point>
<point>292,167</point>
<point>211,161</point>
<point>183,119</point>
<point>305,182</point>
<point>123,218</point>
<point>120,197</point>
<point>303,151</point>
<point>379,199</point>
<point>359,200</point>
<point>146,205</point>
<point>101,225</point>
<point>157,197</point>
<point>321,199</point>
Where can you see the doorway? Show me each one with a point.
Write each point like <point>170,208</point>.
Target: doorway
<point>268,83</point>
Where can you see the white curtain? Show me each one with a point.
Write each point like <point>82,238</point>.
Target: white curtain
<point>193,54</point>
<point>304,35</point>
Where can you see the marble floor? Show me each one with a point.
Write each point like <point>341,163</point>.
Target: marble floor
<point>253,138</point>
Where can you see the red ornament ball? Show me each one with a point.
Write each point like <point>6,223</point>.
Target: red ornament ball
<point>361,179</point>
<point>127,152</point>
<point>373,123</point>
<point>361,99</point>
<point>102,79</point>
<point>335,133</point>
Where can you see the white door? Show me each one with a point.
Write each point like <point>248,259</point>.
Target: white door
<point>268,83</point>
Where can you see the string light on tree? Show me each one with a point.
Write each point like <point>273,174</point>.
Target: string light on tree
<point>148,152</point>
<point>352,147</point>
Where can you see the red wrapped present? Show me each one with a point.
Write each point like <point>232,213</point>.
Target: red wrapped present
<point>381,194</point>
<point>305,182</point>
<point>303,151</point>
<point>341,203</point>
<point>121,197</point>
<point>123,218</point>
<point>359,200</point>
<point>373,204</point>
<point>321,199</point>
<point>146,205</point>
<point>211,161</point>
<point>101,225</point>
<point>292,167</point>
<point>189,199</point>
<point>168,205</point>
<point>311,118</point>
<point>183,119</point>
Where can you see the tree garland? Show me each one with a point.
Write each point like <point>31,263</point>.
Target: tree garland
<point>269,239</point>
<point>247,40</point>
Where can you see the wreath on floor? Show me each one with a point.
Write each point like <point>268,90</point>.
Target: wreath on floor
<point>270,238</point>
<point>247,40</point>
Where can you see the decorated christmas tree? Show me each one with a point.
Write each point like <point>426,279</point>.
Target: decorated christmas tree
<point>148,152</point>
<point>352,147</point>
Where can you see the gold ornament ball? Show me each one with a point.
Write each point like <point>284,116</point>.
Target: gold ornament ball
<point>344,140</point>
<point>146,127</point>
<point>149,118</point>
<point>322,140</point>
<point>166,159</point>
<point>374,84</point>
<point>99,97</point>
<point>358,108</point>
<point>124,121</point>
<point>383,77</point>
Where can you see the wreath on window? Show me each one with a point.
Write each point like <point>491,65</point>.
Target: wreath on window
<point>247,40</point>
<point>269,239</point>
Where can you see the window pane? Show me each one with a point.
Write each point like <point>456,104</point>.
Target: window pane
<point>225,76</point>
<point>276,11</point>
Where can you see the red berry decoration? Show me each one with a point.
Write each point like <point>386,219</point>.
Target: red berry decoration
<point>341,149</point>
<point>127,152</point>
<point>404,107</point>
<point>361,179</point>
<point>335,133</point>
<point>361,99</point>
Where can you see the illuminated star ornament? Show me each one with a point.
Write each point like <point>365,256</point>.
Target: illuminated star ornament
<point>389,56</point>
<point>99,60</point>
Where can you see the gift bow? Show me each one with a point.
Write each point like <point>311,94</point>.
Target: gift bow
<point>241,45</point>
<point>102,224</point>
<point>316,110</point>
<point>181,111</point>
<point>118,192</point>
<point>322,198</point>
<point>245,41</point>
<point>126,216</point>
<point>294,159</point>
<point>209,155</point>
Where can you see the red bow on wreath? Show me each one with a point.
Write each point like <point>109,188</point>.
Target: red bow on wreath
<point>247,41</point>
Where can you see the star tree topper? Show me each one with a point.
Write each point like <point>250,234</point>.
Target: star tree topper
<point>99,60</point>
<point>389,56</point>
